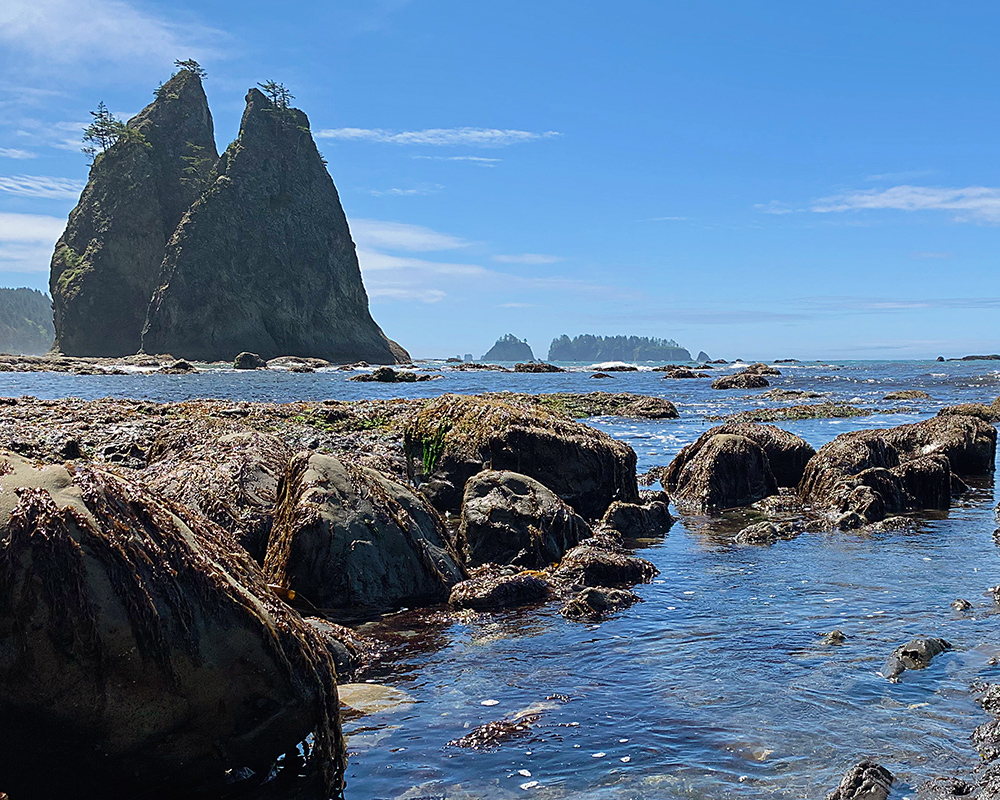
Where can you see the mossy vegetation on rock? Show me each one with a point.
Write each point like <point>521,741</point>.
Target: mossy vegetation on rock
<point>456,436</point>
<point>106,264</point>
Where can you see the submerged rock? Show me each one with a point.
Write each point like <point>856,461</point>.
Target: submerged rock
<point>865,781</point>
<point>650,519</point>
<point>508,518</point>
<point>595,603</point>
<point>915,654</point>
<point>106,264</point>
<point>139,651</point>
<point>264,260</point>
<point>454,437</point>
<point>347,536</point>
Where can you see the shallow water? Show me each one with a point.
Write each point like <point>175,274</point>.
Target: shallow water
<point>718,684</point>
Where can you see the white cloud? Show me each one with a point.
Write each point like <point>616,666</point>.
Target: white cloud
<point>61,32</point>
<point>481,161</point>
<point>774,207</point>
<point>969,204</point>
<point>527,258</point>
<point>417,192</point>
<point>373,234</point>
<point>41,186</point>
<point>27,241</point>
<point>471,137</point>
<point>10,152</point>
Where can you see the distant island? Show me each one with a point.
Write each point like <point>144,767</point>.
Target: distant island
<point>25,322</point>
<point>587,347</point>
<point>510,348</point>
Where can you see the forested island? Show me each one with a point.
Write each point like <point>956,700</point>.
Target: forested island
<point>510,348</point>
<point>25,322</point>
<point>588,347</point>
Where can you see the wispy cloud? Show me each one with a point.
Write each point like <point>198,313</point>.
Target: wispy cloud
<point>27,241</point>
<point>42,186</point>
<point>88,32</point>
<point>481,161</point>
<point>414,192</point>
<point>527,258</point>
<point>516,305</point>
<point>668,219</point>
<point>877,305</point>
<point>469,137</point>
<point>931,255</point>
<point>374,234</point>
<point>775,207</point>
<point>969,204</point>
<point>64,135</point>
<point>11,152</point>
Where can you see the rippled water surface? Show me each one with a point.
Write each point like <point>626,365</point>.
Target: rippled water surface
<point>718,684</point>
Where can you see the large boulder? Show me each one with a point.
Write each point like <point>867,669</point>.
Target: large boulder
<point>454,437</point>
<point>726,471</point>
<point>347,536</point>
<point>509,518</point>
<point>650,519</point>
<point>787,454</point>
<point>138,651</point>
<point>264,260</point>
<point>866,475</point>
<point>106,264</point>
<point>231,477</point>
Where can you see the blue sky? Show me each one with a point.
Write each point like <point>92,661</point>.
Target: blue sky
<point>754,179</point>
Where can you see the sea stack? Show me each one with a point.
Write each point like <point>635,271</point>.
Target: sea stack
<point>107,263</point>
<point>264,261</point>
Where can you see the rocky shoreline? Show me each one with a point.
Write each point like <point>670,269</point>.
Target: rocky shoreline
<point>294,522</point>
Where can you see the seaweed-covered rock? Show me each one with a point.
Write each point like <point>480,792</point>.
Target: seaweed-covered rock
<point>741,380</point>
<point>390,375</point>
<point>106,264</point>
<point>639,521</point>
<point>594,603</point>
<point>864,781</point>
<point>969,443</point>
<point>987,413</point>
<point>347,536</point>
<point>907,394</point>
<point>761,368</point>
<point>726,471</point>
<point>139,652</point>
<point>454,437</point>
<point>491,588</point>
<point>230,477</point>
<point>509,518</point>
<point>787,454</point>
<point>264,260</point>
<point>589,564</point>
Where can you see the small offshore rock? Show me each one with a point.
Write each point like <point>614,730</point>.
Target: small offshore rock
<point>908,394</point>
<point>594,603</point>
<point>741,380</point>
<point>586,565</point>
<point>961,604</point>
<point>179,367</point>
<point>390,375</point>
<point>761,533</point>
<point>600,375</point>
<point>915,654</point>
<point>537,366</point>
<point>835,636</point>
<point>247,360</point>
<point>761,369</point>
<point>865,781</point>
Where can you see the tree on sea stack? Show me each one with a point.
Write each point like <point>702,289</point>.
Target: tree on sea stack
<point>192,66</point>
<point>105,131</point>
<point>277,93</point>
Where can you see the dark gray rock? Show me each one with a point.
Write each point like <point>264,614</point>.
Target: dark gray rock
<point>247,360</point>
<point>590,565</point>
<point>915,654</point>
<point>640,521</point>
<point>865,781</point>
<point>106,264</point>
<point>490,588</point>
<point>144,648</point>
<point>537,366</point>
<point>348,537</point>
<point>508,518</point>
<point>264,260</point>
<point>741,380</point>
<point>595,603</point>
<point>455,437</point>
<point>726,471</point>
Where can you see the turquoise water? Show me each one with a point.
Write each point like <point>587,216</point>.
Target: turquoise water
<point>717,684</point>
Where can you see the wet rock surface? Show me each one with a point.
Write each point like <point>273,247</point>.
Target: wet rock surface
<point>865,781</point>
<point>595,603</point>
<point>347,536</point>
<point>741,380</point>
<point>181,663</point>
<point>490,587</point>
<point>726,471</point>
<point>508,518</point>
<point>915,654</point>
